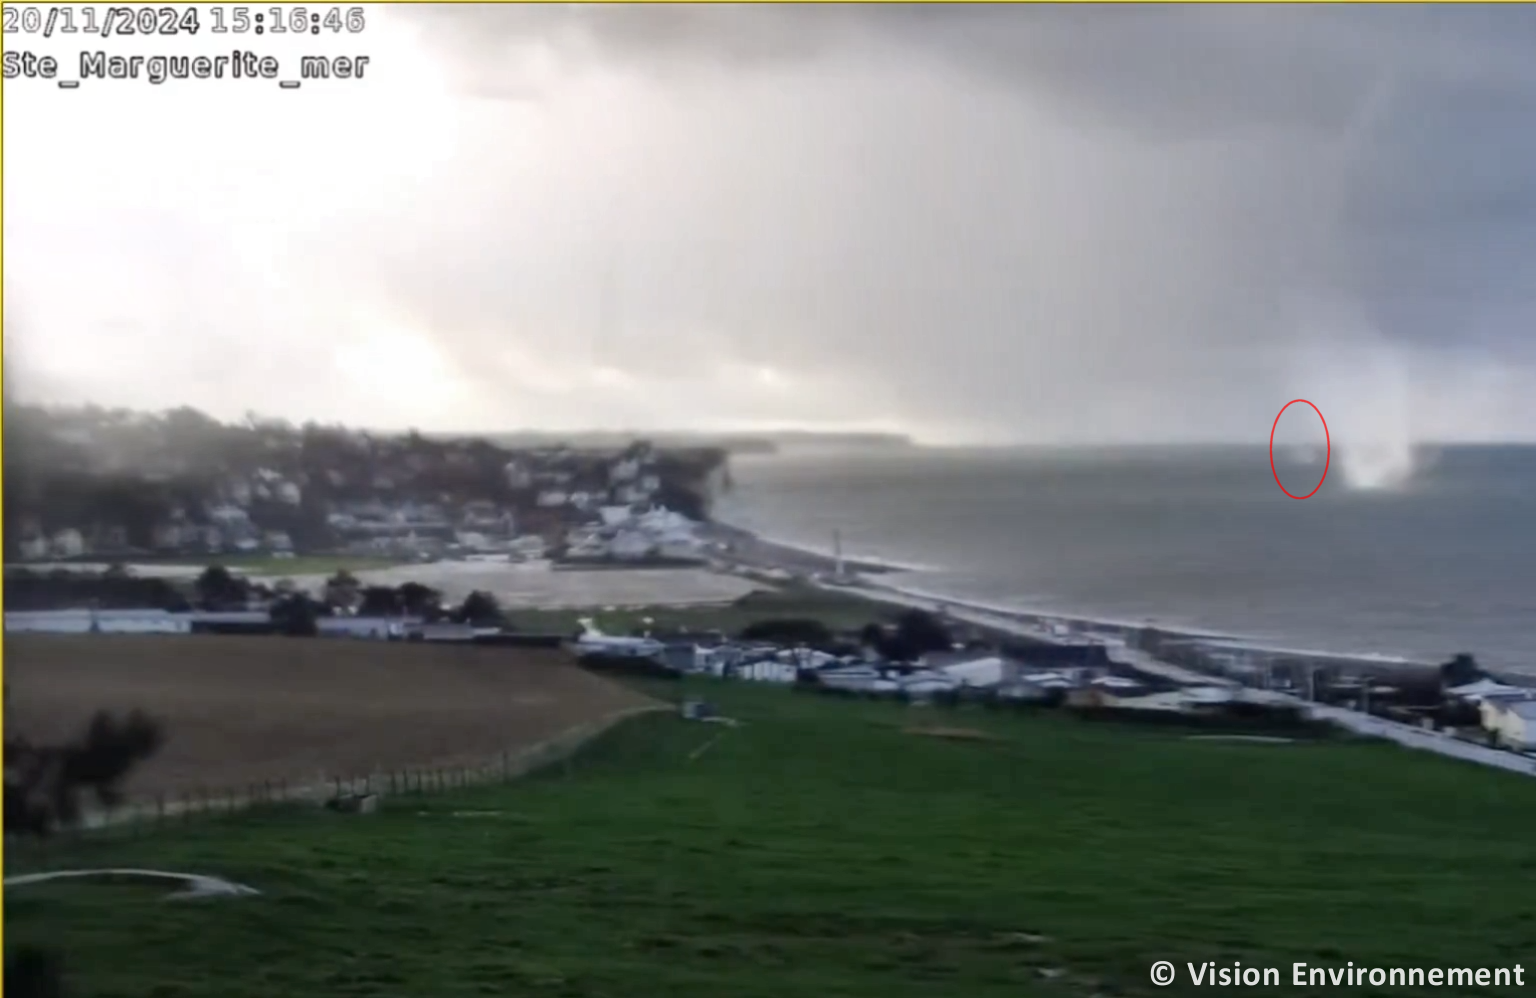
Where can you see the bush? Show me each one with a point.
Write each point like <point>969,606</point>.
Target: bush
<point>790,631</point>
<point>628,665</point>
<point>44,785</point>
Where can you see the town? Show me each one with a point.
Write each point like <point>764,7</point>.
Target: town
<point>87,485</point>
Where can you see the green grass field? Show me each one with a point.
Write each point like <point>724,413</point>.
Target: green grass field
<point>838,611</point>
<point>822,850</point>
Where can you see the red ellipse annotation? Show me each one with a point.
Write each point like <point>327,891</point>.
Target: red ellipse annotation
<point>1326,459</point>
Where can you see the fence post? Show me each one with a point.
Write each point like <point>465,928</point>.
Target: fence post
<point>391,783</point>
<point>160,808</point>
<point>338,788</point>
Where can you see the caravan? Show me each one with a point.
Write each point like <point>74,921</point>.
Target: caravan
<point>592,641</point>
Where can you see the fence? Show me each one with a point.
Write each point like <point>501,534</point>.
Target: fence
<point>174,809</point>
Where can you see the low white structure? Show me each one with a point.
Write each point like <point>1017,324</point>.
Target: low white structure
<point>979,672</point>
<point>85,621</point>
<point>1487,689</point>
<point>1512,721</point>
<point>100,621</point>
<point>373,628</point>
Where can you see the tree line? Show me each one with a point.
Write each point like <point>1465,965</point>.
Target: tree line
<point>219,589</point>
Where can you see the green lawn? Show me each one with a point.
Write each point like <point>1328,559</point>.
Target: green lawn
<point>820,850</point>
<point>837,610</point>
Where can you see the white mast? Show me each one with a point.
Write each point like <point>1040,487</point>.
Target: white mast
<point>837,552</point>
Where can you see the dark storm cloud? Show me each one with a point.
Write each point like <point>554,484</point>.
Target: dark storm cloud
<point>1048,222</point>
<point>1395,144</point>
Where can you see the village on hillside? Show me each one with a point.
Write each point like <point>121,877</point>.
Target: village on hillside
<point>94,485</point>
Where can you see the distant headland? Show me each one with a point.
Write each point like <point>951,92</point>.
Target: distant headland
<point>767,442</point>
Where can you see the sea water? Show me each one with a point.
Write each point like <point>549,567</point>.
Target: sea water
<point>1435,563</point>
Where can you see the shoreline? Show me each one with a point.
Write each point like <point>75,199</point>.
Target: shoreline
<point>874,581</point>
<point>749,548</point>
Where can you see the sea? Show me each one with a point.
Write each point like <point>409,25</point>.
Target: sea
<point>1436,561</point>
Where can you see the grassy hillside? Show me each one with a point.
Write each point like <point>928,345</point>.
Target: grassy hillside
<point>823,849</point>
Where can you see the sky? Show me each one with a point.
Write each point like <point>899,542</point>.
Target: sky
<point>988,224</point>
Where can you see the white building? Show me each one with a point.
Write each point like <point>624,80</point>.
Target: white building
<point>1513,721</point>
<point>68,543</point>
<point>102,621</point>
<point>614,516</point>
<point>631,544</point>
<point>624,471</point>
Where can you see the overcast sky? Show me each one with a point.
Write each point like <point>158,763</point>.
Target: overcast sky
<point>973,224</point>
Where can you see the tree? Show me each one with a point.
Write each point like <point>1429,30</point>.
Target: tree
<point>379,601</point>
<point>342,590</point>
<point>43,790</point>
<point>917,632</point>
<point>479,608</point>
<point>296,615</point>
<point>789,631</point>
<point>219,587</point>
<point>1460,671</point>
<point>419,600</point>
<point>923,631</point>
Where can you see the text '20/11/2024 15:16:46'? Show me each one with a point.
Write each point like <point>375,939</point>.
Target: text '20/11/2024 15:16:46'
<point>163,21</point>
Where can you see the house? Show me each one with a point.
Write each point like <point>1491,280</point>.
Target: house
<point>985,671</point>
<point>527,547</point>
<point>517,477</point>
<point>1485,689</point>
<point>624,471</point>
<point>631,544</point>
<point>1512,723</point>
<point>614,516</point>
<point>228,514</point>
<point>630,494</point>
<point>68,543</point>
<point>550,498</point>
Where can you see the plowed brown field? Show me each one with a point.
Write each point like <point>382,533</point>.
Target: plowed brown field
<point>243,710</point>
